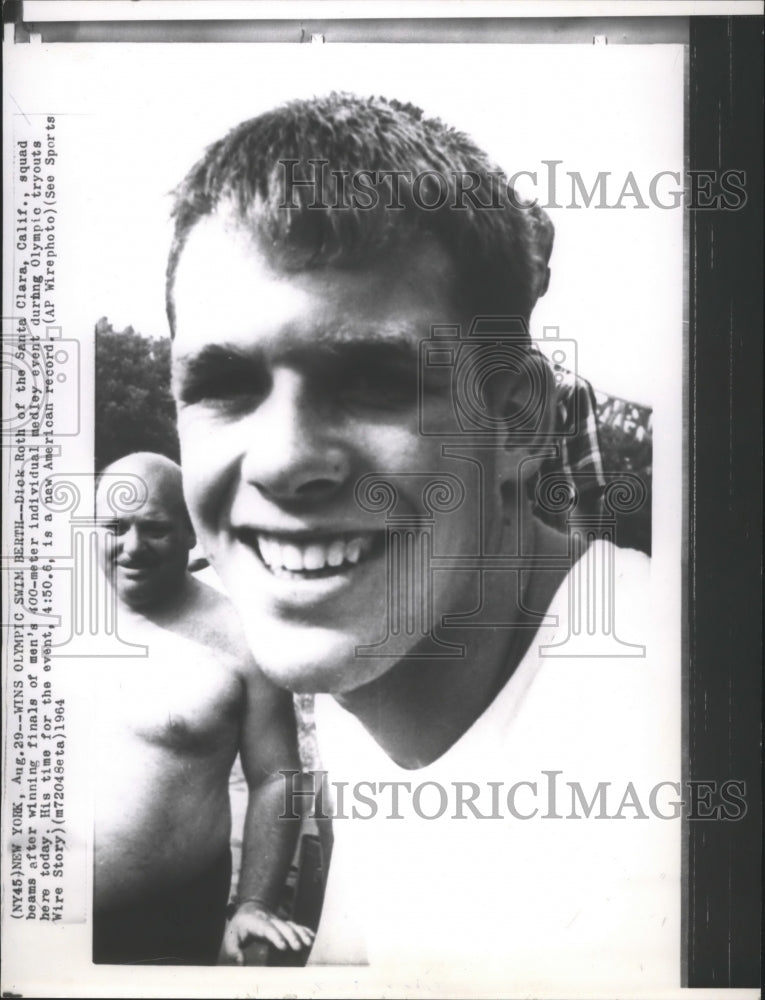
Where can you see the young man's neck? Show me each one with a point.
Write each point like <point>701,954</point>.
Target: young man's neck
<point>421,707</point>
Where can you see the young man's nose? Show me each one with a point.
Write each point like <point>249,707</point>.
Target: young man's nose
<point>293,450</point>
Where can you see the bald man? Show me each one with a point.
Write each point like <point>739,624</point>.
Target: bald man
<point>171,725</point>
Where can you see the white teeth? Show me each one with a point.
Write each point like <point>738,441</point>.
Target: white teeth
<point>353,550</point>
<point>269,550</point>
<point>291,557</point>
<point>336,553</point>
<point>315,556</point>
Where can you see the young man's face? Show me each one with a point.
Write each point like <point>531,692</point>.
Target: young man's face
<point>290,389</point>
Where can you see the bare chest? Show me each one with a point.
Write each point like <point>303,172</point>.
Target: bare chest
<point>181,698</point>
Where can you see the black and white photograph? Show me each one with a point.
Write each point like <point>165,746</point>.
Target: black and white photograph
<point>355,391</point>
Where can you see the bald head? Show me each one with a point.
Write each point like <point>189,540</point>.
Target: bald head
<point>160,478</point>
<point>141,495</point>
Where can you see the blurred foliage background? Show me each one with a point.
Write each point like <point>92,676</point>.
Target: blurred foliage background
<point>134,408</point>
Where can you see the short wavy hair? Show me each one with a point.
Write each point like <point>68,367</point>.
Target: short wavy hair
<point>252,169</point>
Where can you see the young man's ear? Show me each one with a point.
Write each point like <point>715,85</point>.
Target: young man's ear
<point>529,436</point>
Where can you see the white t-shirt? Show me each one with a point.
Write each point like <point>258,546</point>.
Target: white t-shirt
<point>545,901</point>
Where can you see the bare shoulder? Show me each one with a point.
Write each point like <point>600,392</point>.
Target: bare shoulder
<point>213,612</point>
<point>213,619</point>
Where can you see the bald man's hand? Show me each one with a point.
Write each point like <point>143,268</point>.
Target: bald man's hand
<point>255,922</point>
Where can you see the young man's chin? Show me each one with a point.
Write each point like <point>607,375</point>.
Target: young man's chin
<point>314,660</point>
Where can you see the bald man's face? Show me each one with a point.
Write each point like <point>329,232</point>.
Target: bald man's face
<point>147,559</point>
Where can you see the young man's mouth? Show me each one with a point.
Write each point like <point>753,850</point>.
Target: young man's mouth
<point>318,557</point>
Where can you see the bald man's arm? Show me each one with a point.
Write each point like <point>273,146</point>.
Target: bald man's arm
<point>268,745</point>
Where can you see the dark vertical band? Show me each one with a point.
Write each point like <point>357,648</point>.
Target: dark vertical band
<point>725,368</point>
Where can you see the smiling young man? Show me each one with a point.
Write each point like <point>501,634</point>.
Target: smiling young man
<point>170,727</point>
<point>318,249</point>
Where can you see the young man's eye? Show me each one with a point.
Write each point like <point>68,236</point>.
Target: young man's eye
<point>222,388</point>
